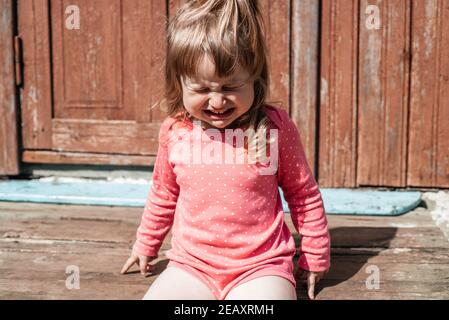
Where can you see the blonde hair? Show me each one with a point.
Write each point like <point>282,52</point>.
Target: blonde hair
<point>231,33</point>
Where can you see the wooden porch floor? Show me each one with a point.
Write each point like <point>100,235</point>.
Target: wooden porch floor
<point>38,242</point>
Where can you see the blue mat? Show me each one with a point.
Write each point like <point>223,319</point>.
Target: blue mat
<point>109,193</point>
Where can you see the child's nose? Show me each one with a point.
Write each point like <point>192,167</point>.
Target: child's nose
<point>217,100</point>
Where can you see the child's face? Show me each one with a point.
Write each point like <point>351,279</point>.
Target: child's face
<point>206,96</point>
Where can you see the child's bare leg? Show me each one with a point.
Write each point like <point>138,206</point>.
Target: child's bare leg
<point>264,288</point>
<point>177,284</point>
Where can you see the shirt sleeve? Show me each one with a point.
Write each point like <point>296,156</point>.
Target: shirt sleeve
<point>158,214</point>
<point>304,199</point>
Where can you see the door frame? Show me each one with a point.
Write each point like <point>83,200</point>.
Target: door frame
<point>9,155</point>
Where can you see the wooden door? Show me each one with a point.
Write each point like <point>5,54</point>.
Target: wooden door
<point>88,93</point>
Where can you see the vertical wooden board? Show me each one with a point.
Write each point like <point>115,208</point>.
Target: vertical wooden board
<point>442,179</point>
<point>36,102</point>
<point>305,20</point>
<point>338,94</point>
<point>146,26</point>
<point>276,15</point>
<point>428,157</point>
<point>383,94</point>
<point>9,162</point>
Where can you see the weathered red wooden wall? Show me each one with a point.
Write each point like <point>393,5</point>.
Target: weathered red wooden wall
<point>371,105</point>
<point>384,110</point>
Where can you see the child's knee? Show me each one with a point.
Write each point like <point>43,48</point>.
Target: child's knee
<point>266,288</point>
<point>174,283</point>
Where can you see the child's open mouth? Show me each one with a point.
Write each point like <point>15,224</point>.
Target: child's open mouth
<point>219,115</point>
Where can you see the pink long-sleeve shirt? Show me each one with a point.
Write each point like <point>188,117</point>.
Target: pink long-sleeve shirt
<point>228,216</point>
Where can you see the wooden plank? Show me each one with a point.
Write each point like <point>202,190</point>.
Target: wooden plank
<point>147,25</point>
<point>338,94</point>
<point>36,101</point>
<point>304,74</point>
<point>418,217</point>
<point>383,95</point>
<point>12,210</point>
<point>78,230</point>
<point>88,229</point>
<point>30,156</point>
<point>276,15</point>
<point>31,211</point>
<point>9,158</point>
<point>428,157</point>
<point>96,136</point>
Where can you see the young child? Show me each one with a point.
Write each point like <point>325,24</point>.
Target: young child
<point>229,238</point>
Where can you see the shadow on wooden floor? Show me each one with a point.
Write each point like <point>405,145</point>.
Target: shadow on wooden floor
<point>365,243</point>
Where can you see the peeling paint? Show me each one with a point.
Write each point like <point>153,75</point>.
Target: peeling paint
<point>5,19</point>
<point>34,118</point>
<point>430,14</point>
<point>324,92</point>
<point>32,95</point>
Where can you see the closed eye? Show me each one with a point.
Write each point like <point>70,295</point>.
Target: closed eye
<point>230,88</point>
<point>201,90</point>
<point>224,88</point>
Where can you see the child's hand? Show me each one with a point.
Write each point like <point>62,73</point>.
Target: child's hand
<point>141,261</point>
<point>312,279</point>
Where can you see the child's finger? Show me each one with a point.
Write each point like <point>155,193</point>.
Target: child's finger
<point>311,286</point>
<point>128,265</point>
<point>143,267</point>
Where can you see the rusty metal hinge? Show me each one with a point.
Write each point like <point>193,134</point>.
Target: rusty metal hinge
<point>18,60</point>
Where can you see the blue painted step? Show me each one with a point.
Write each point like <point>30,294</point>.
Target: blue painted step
<point>110,193</point>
